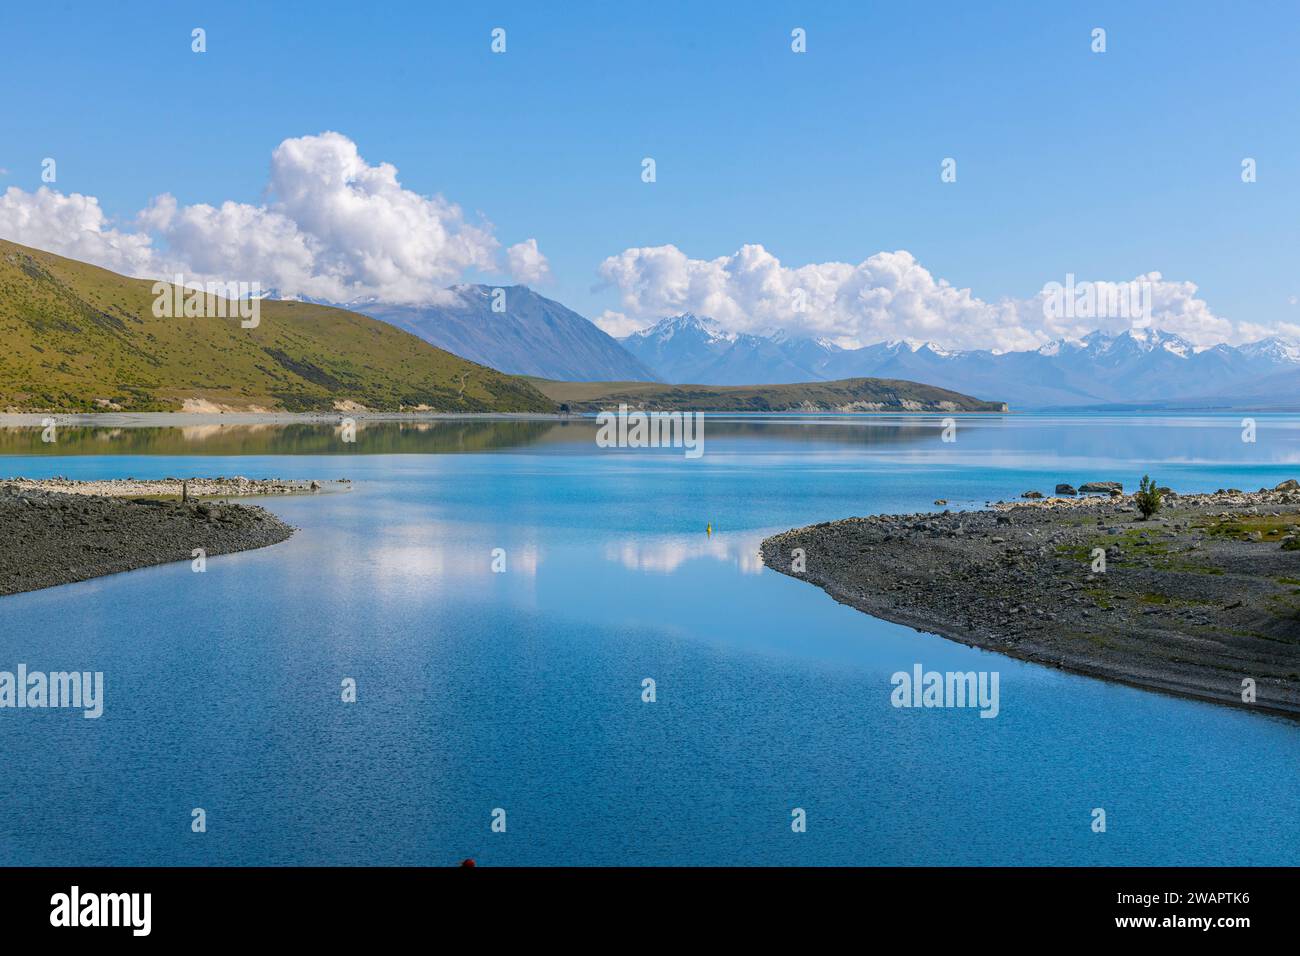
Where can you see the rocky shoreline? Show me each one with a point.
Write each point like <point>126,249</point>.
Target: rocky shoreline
<point>236,487</point>
<point>1200,598</point>
<point>55,537</point>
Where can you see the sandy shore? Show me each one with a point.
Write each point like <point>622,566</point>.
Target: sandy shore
<point>54,538</point>
<point>1195,601</point>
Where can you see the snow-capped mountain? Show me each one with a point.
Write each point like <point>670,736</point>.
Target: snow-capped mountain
<point>700,352</point>
<point>1273,348</point>
<point>1134,366</point>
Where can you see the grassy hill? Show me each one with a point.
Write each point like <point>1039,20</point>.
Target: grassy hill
<point>848,395</point>
<point>80,338</point>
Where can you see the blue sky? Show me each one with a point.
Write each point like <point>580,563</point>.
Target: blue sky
<point>1106,165</point>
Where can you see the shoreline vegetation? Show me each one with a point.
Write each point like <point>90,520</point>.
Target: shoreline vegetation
<point>1201,600</point>
<point>59,531</point>
<point>849,395</point>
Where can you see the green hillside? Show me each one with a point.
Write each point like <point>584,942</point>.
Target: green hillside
<point>80,338</point>
<point>845,395</point>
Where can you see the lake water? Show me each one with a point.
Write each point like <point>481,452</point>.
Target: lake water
<point>522,690</point>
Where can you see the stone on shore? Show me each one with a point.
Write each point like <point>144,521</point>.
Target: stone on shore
<point>1101,488</point>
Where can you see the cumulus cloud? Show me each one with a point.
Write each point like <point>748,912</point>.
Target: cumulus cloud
<point>886,297</point>
<point>527,264</point>
<point>72,225</point>
<point>335,227</point>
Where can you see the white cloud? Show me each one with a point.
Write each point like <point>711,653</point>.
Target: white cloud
<point>335,228</point>
<point>527,264</point>
<point>887,296</point>
<point>617,324</point>
<point>72,225</point>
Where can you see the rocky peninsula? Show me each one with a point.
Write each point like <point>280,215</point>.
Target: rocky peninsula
<point>58,531</point>
<point>1202,599</point>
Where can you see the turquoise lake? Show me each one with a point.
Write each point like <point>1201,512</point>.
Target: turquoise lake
<point>522,690</point>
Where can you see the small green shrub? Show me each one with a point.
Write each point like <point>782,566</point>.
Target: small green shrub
<point>1148,498</point>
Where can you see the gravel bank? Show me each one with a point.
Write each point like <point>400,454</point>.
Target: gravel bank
<point>237,487</point>
<point>1193,601</point>
<point>55,538</point>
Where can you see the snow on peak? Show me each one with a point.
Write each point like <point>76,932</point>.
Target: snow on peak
<point>898,345</point>
<point>665,329</point>
<point>1139,339</point>
<point>1277,349</point>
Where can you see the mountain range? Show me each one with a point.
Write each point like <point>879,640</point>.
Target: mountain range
<point>79,338</point>
<point>82,338</point>
<point>529,334</point>
<point>1130,367</point>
